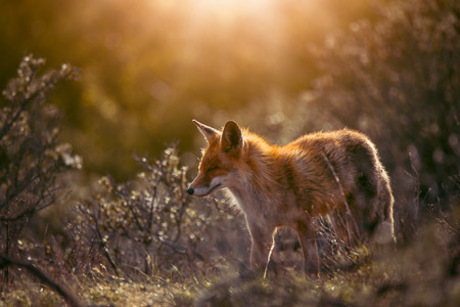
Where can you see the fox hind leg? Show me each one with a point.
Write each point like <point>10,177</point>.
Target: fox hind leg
<point>307,238</point>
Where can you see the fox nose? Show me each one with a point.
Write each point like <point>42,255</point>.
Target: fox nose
<point>190,191</point>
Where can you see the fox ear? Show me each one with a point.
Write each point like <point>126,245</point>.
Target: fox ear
<point>209,133</point>
<point>232,138</point>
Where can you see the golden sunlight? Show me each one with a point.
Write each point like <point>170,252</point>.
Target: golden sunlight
<point>232,5</point>
<point>232,13</point>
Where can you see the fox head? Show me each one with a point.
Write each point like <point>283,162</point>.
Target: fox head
<point>218,161</point>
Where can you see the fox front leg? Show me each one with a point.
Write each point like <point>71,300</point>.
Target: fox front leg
<point>261,243</point>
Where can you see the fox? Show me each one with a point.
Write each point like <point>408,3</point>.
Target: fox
<point>320,173</point>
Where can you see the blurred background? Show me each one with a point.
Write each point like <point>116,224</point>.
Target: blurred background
<point>280,67</point>
<point>149,66</point>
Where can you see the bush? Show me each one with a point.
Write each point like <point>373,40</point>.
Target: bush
<point>398,80</point>
<point>31,156</point>
<point>149,225</point>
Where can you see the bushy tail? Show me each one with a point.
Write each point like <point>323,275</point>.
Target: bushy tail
<point>373,196</point>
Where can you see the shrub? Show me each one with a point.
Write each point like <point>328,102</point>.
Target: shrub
<point>398,79</point>
<point>31,155</point>
<point>149,224</point>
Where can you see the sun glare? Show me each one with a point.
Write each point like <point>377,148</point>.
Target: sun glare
<point>232,5</point>
<point>232,11</point>
<point>226,20</point>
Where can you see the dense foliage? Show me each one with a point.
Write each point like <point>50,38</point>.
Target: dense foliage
<point>399,80</point>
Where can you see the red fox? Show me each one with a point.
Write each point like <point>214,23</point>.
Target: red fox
<point>290,185</point>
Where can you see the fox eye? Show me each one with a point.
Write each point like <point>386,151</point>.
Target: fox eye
<point>211,169</point>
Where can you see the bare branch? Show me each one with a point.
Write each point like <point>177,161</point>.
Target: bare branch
<point>69,297</point>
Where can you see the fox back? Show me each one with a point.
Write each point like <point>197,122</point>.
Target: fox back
<point>335,172</point>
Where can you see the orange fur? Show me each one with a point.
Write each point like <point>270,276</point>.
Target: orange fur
<point>289,185</point>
